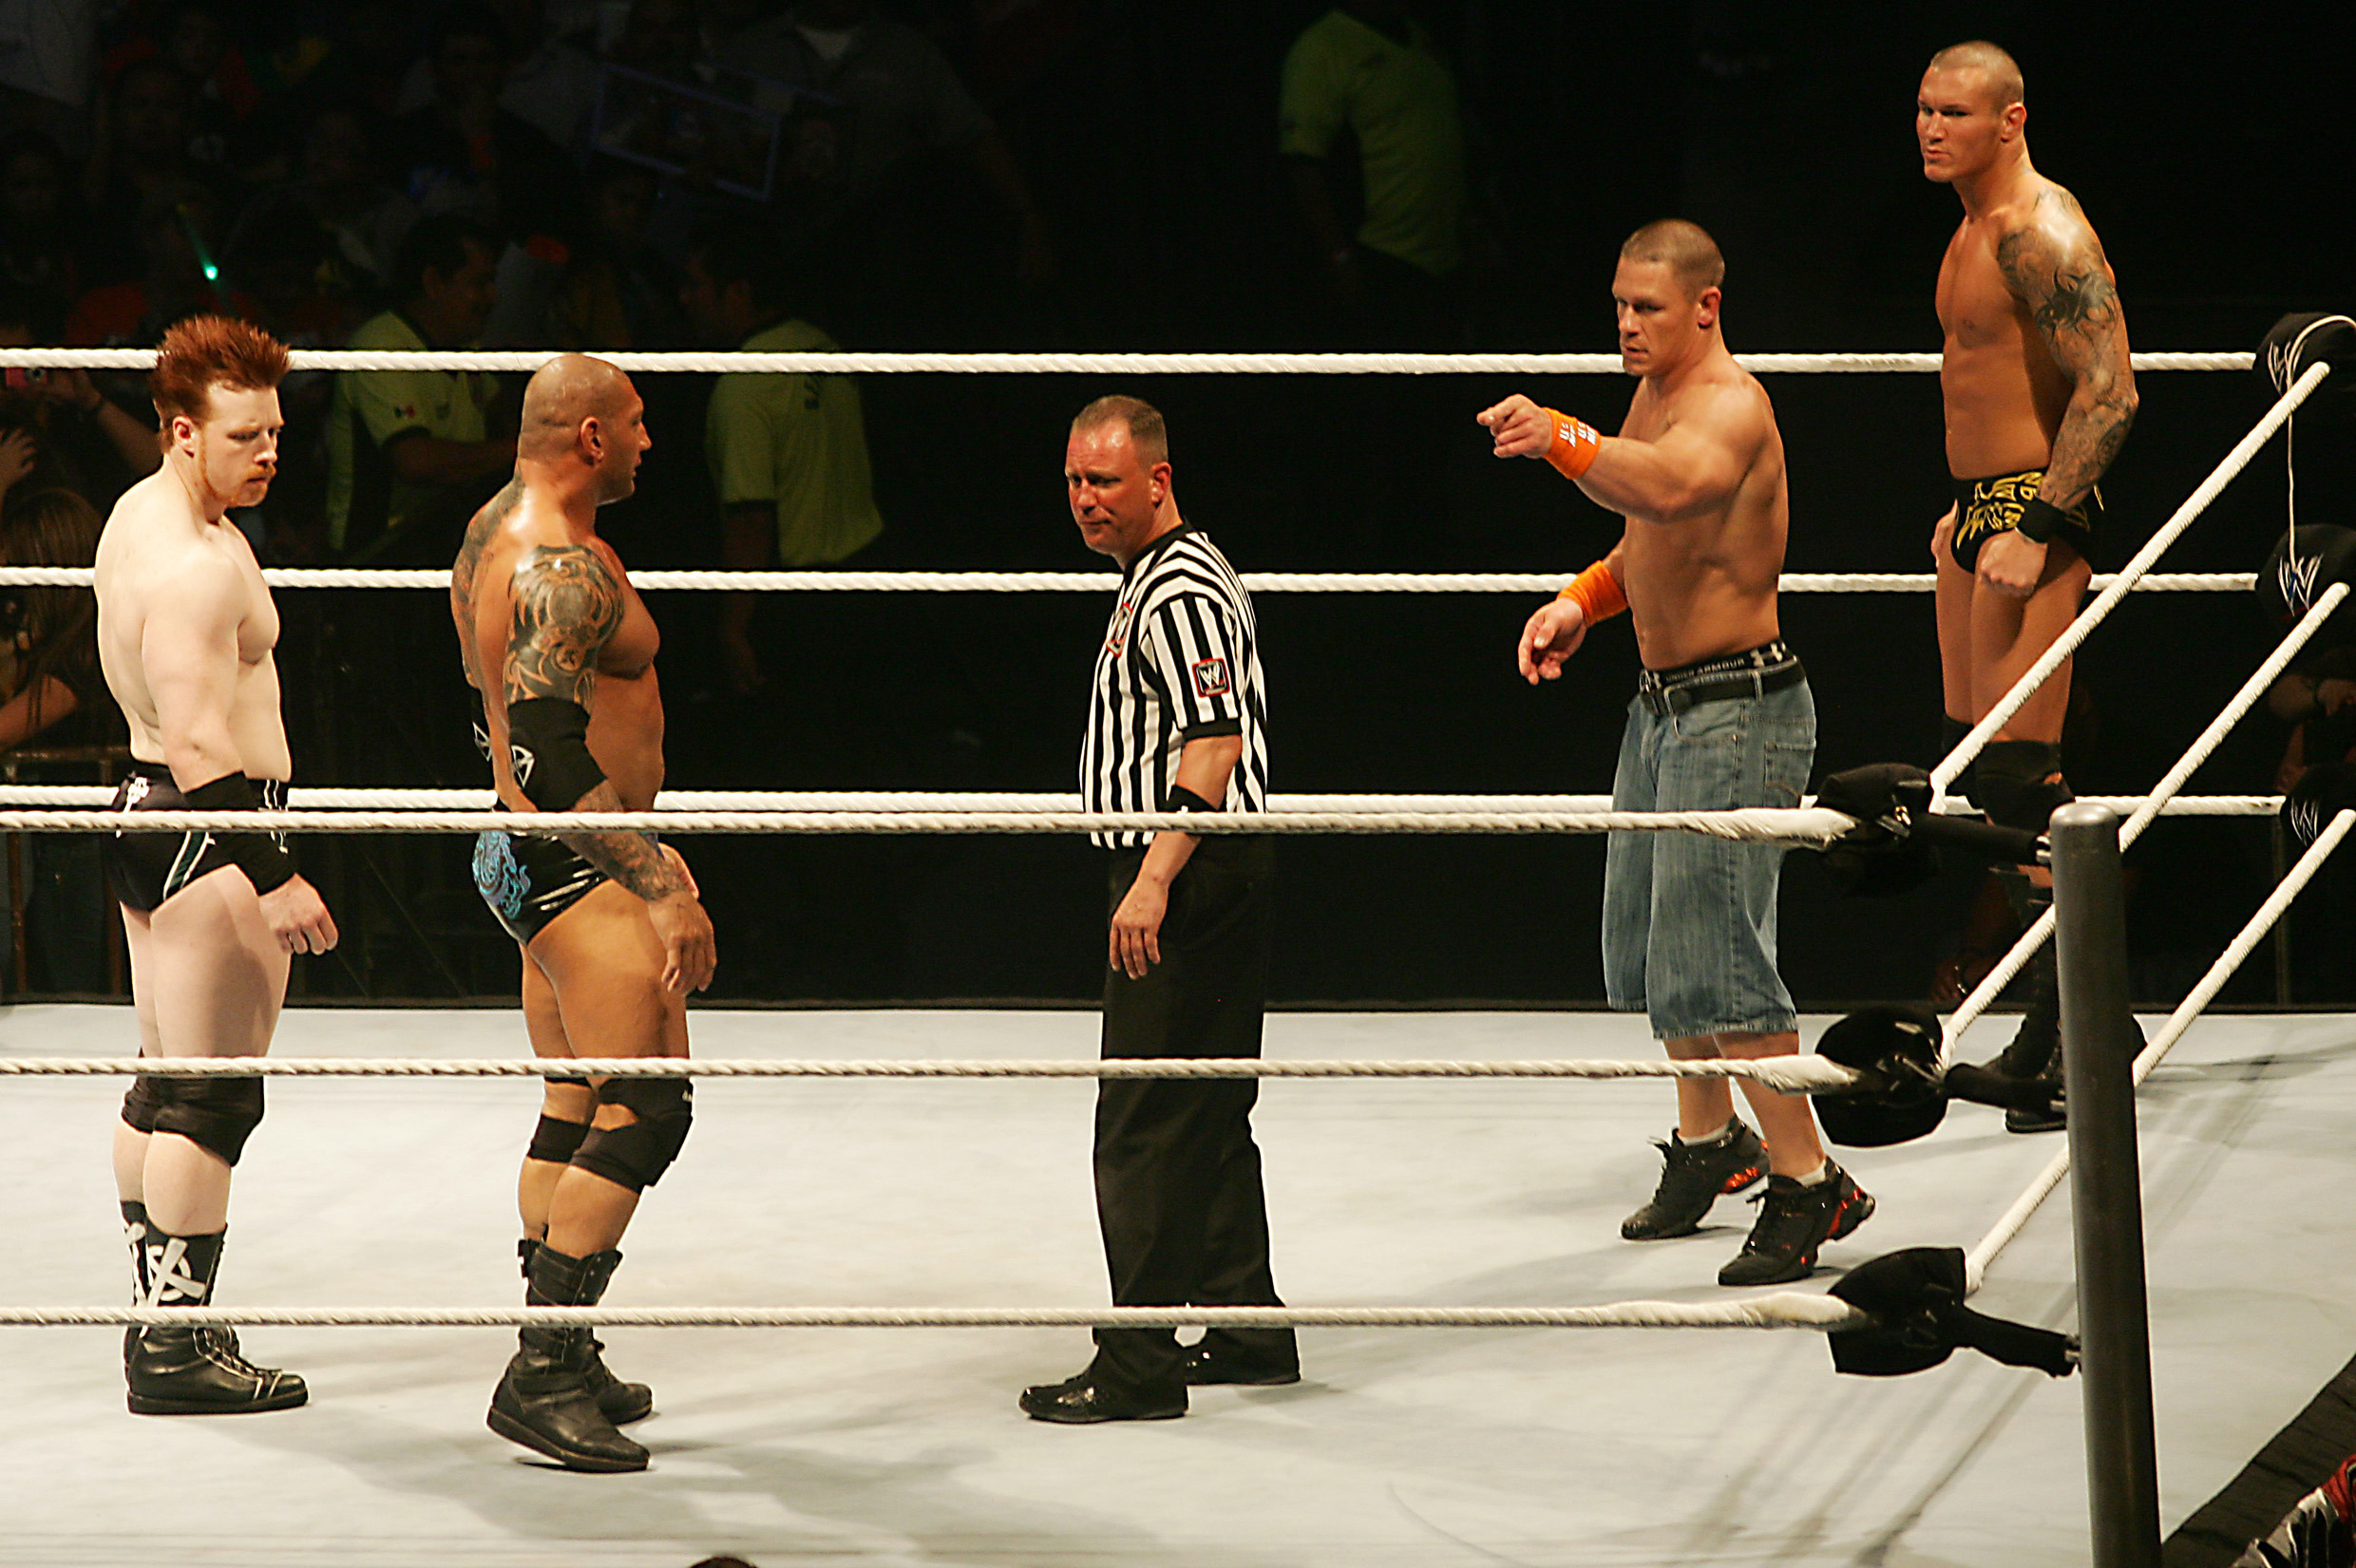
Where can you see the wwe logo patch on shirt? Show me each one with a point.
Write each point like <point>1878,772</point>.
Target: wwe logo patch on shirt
<point>1210,678</point>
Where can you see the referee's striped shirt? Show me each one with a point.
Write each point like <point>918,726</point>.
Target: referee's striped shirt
<point>1181,660</point>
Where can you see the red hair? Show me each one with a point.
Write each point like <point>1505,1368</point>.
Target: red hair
<point>208,351</point>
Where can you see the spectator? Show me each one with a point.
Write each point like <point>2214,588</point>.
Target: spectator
<point>2317,698</point>
<point>619,293</point>
<point>51,692</point>
<point>141,145</point>
<point>80,439</point>
<point>411,453</point>
<point>340,189</point>
<point>465,155</point>
<point>49,636</point>
<point>178,235</point>
<point>1365,75</point>
<point>789,454</point>
<point>551,83</point>
<point>39,221</point>
<point>887,174</point>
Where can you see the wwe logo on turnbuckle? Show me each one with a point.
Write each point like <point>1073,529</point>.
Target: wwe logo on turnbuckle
<point>2306,820</point>
<point>2297,580</point>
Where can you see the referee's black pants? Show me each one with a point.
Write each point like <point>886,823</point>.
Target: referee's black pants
<point>1178,1191</point>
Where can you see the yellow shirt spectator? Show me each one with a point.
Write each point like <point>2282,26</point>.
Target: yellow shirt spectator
<point>1400,103</point>
<point>798,442</point>
<point>366,500</point>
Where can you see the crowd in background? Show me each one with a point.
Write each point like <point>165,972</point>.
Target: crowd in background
<point>1007,173</point>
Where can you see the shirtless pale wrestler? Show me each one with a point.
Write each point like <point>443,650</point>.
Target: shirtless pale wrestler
<point>1722,718</point>
<point>185,629</point>
<point>2038,394</point>
<point>561,651</point>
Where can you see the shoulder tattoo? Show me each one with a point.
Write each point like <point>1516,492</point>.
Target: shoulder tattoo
<point>566,606</point>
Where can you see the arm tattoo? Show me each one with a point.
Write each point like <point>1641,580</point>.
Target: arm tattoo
<point>567,605</point>
<point>2054,266</point>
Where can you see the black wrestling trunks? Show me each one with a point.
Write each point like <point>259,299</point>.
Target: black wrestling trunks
<point>144,869</point>
<point>1986,508</point>
<point>1753,672</point>
<point>528,879</point>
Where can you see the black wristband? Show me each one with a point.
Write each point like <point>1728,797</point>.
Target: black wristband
<point>1183,798</point>
<point>2040,520</point>
<point>263,857</point>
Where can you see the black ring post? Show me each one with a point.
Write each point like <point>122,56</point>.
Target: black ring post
<point>2097,1049</point>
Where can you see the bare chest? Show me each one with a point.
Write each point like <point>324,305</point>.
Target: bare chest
<point>1976,308</point>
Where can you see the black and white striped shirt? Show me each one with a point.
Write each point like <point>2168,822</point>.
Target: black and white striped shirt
<point>1180,660</point>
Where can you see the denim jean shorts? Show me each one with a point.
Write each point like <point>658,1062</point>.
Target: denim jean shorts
<point>1690,921</point>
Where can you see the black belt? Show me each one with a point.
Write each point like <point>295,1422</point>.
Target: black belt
<point>1753,672</point>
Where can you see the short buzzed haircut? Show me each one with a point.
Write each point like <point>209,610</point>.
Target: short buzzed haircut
<point>1687,249</point>
<point>2002,70</point>
<point>1147,432</point>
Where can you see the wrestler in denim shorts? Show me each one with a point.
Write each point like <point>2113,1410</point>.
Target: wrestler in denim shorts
<point>1690,921</point>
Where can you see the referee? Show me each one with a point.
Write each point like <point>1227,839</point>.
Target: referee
<point>1176,723</point>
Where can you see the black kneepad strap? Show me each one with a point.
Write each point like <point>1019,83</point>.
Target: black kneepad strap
<point>637,1156</point>
<point>556,1141</point>
<point>548,747</point>
<point>2018,783</point>
<point>218,1114</point>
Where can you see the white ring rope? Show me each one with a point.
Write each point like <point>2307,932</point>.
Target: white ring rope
<point>1784,1074</point>
<point>1755,824</point>
<point>1780,1310</point>
<point>1992,984</point>
<point>1103,582</point>
<point>2235,461</point>
<point>2195,1002</point>
<point>1093,364</point>
<point>98,795</point>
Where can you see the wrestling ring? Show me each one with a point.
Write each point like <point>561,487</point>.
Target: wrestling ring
<point>1457,1202</point>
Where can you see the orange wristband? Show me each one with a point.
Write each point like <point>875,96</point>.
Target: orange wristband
<point>1574,445</point>
<point>1597,593</point>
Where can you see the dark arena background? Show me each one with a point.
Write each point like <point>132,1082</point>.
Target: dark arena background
<point>1110,176</point>
<point>1161,216</point>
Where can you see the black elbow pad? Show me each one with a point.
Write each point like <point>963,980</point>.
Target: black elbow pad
<point>548,746</point>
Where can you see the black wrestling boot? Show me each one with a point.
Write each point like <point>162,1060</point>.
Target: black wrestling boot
<point>135,1235</point>
<point>2035,1055</point>
<point>623,1403</point>
<point>543,1400</point>
<point>193,1371</point>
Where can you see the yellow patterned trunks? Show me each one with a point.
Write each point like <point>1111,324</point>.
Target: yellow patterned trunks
<point>1986,508</point>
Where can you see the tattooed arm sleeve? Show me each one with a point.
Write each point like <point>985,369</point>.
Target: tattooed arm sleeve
<point>2054,266</point>
<point>567,605</point>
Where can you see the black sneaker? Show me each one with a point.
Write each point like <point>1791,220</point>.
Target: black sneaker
<point>1697,1175</point>
<point>1794,1221</point>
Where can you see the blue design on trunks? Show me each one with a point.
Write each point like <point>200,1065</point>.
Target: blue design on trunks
<point>503,882</point>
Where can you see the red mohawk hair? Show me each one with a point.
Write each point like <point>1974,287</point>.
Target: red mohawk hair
<point>205,351</point>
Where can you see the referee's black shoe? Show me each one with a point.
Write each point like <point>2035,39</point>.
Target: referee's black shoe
<point>1083,1400</point>
<point>1217,1359</point>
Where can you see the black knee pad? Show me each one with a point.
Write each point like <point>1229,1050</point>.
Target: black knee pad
<point>556,1140</point>
<point>218,1114</point>
<point>142,1103</point>
<point>2018,783</point>
<point>635,1156</point>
